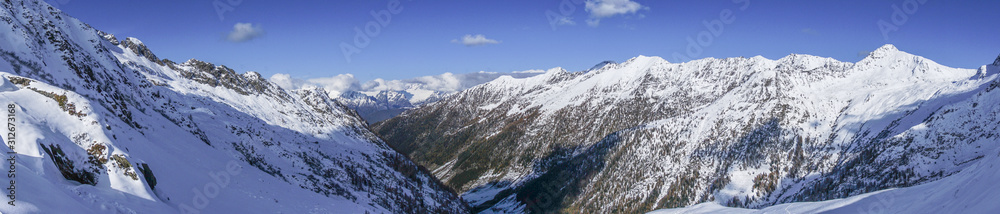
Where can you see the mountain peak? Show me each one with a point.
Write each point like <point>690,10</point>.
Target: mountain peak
<point>107,36</point>
<point>134,40</point>
<point>887,48</point>
<point>138,48</point>
<point>644,58</point>
<point>886,51</point>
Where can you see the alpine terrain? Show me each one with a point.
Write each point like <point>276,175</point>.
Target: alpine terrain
<point>379,100</point>
<point>647,134</point>
<point>206,139</point>
<point>893,132</point>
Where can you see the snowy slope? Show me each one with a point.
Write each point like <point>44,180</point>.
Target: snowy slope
<point>740,132</point>
<point>973,190</point>
<point>103,125</point>
<point>950,136</point>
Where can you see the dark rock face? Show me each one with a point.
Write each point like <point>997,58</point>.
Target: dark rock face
<point>110,37</point>
<point>212,75</point>
<point>86,174</point>
<point>139,48</point>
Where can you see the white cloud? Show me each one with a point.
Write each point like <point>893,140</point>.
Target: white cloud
<point>600,9</point>
<point>608,8</point>
<point>243,32</point>
<point>335,85</point>
<point>447,82</point>
<point>474,40</point>
<point>285,81</point>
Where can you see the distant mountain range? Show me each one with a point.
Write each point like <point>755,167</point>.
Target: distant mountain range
<point>380,100</point>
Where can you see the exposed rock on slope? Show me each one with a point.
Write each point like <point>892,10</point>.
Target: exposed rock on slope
<point>743,132</point>
<point>97,118</point>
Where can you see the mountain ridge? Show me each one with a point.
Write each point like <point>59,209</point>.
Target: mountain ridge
<point>106,126</point>
<point>496,140</point>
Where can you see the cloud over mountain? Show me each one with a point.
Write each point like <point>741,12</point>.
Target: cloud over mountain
<point>447,82</point>
<point>243,32</point>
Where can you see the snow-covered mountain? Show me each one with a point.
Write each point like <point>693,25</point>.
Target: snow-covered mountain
<point>752,132</point>
<point>378,107</point>
<point>205,138</point>
<point>375,105</point>
<point>380,99</point>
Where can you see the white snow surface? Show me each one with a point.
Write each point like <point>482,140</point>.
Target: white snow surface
<point>973,190</point>
<point>213,146</point>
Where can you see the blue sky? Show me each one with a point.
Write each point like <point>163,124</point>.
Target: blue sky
<point>303,38</point>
